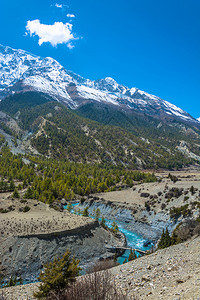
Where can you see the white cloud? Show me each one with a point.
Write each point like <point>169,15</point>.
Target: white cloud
<point>58,5</point>
<point>58,33</point>
<point>70,46</point>
<point>70,15</point>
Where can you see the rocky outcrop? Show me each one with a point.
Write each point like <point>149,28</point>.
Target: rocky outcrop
<point>121,212</point>
<point>26,254</point>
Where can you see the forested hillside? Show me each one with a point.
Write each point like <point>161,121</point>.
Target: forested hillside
<point>99,135</point>
<point>48,180</point>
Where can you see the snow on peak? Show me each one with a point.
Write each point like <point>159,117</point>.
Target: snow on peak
<point>110,80</point>
<point>198,119</point>
<point>49,76</point>
<point>132,91</point>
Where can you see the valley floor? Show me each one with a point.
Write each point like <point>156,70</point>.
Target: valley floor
<point>132,196</point>
<point>171,273</point>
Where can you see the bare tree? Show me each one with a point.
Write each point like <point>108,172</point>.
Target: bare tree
<point>95,286</point>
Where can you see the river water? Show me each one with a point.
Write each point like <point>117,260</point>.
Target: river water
<point>133,240</point>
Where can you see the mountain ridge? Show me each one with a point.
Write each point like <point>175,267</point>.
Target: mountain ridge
<point>22,71</point>
<point>45,109</point>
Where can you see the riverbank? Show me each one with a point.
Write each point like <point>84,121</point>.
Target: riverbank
<point>122,215</point>
<point>168,274</point>
<point>29,240</point>
<point>146,207</point>
<point>143,209</point>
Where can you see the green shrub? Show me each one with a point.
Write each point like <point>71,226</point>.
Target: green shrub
<point>85,212</point>
<point>3,211</point>
<point>97,214</point>
<point>103,222</point>
<point>114,227</point>
<point>26,208</point>
<point>69,207</point>
<point>176,212</point>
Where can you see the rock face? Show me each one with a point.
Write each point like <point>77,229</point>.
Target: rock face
<point>122,213</point>
<point>26,255</point>
<point>28,240</point>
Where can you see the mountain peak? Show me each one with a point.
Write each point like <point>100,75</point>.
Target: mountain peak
<point>110,80</point>
<point>21,71</point>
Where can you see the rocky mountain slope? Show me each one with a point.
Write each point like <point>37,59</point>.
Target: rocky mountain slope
<point>45,109</point>
<point>171,273</point>
<point>33,123</point>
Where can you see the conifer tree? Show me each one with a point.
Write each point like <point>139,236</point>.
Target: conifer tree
<point>97,214</point>
<point>69,207</point>
<point>192,191</point>
<point>58,275</point>
<point>85,212</point>
<point>15,194</point>
<point>12,186</point>
<point>115,227</point>
<point>165,240</point>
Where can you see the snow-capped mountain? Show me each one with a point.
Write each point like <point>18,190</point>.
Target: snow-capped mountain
<point>198,119</point>
<point>21,71</point>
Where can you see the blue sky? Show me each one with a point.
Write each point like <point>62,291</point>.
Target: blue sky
<point>153,45</point>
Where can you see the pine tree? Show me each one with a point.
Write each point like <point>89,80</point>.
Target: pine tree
<point>165,240</point>
<point>12,186</point>
<point>58,275</point>
<point>192,191</point>
<point>15,194</point>
<point>114,227</point>
<point>85,212</point>
<point>69,207</point>
<point>29,193</point>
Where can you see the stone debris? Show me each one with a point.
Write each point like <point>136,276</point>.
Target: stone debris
<point>171,273</point>
<point>148,277</point>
